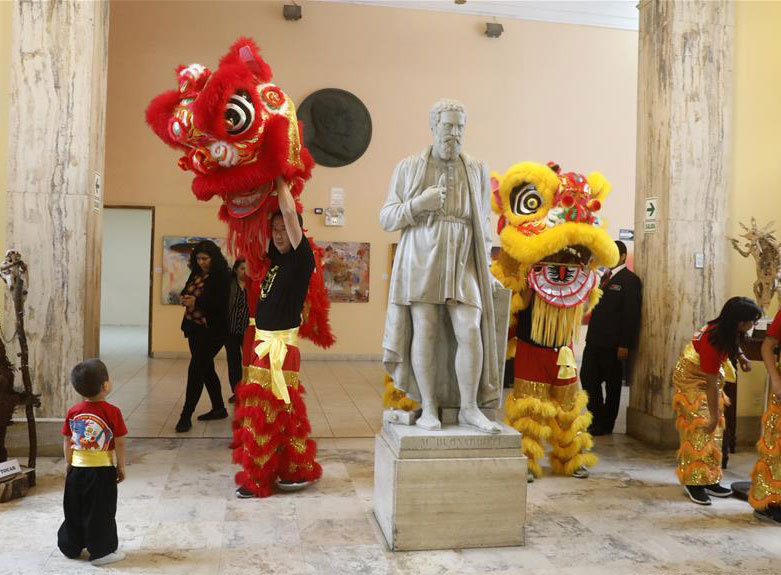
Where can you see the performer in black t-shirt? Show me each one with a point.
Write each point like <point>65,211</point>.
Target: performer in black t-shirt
<point>271,425</point>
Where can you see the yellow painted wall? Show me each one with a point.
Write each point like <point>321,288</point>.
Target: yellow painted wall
<point>541,92</point>
<point>756,186</point>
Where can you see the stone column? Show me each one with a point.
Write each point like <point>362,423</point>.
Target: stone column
<point>683,160</point>
<point>57,117</point>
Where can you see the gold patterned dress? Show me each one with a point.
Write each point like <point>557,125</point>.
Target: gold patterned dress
<point>766,475</point>
<point>699,454</point>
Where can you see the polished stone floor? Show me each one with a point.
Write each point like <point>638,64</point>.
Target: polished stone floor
<point>344,399</point>
<point>177,512</point>
<point>177,515</point>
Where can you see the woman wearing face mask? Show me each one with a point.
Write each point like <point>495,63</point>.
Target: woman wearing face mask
<point>238,319</point>
<point>205,298</point>
<point>699,400</point>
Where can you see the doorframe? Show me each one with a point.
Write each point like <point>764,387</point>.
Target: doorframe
<point>151,263</point>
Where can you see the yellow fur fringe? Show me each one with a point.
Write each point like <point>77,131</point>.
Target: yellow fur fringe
<point>569,467</point>
<point>393,398</point>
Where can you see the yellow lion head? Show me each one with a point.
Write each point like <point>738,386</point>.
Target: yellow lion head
<point>552,237</point>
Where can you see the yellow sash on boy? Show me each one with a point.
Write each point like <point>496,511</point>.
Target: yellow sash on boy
<point>274,344</point>
<point>84,458</point>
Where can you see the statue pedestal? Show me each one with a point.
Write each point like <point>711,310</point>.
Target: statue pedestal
<point>17,486</point>
<point>450,489</point>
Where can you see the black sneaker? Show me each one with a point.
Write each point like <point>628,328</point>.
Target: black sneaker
<point>184,424</point>
<point>697,494</point>
<point>214,414</point>
<point>232,399</point>
<point>717,490</point>
<point>244,493</point>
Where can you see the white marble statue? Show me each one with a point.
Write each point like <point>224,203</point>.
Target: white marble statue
<point>440,342</point>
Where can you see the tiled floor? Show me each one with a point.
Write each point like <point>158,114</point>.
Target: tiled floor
<point>344,399</point>
<point>177,512</point>
<point>177,515</point>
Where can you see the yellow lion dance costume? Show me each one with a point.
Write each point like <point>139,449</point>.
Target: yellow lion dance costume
<point>552,243</point>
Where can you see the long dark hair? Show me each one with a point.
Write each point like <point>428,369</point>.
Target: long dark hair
<point>219,265</point>
<point>724,335</point>
<point>236,264</point>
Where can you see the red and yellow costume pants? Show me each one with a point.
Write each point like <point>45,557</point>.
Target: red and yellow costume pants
<point>546,403</point>
<point>699,454</point>
<point>271,428</point>
<point>766,476</point>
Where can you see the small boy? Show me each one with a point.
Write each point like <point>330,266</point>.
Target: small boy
<point>93,430</point>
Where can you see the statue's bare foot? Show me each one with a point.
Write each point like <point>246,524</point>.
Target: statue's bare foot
<point>473,417</point>
<point>429,420</point>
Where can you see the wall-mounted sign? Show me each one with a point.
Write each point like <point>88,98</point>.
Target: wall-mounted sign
<point>651,211</point>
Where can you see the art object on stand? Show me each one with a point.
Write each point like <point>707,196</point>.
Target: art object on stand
<point>13,271</point>
<point>439,200</point>
<point>176,257</point>
<point>242,140</point>
<point>553,240</point>
<point>761,244</point>
<point>337,127</point>
<point>346,270</point>
<point>443,350</point>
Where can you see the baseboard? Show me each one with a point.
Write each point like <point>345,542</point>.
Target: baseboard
<point>747,430</point>
<point>651,430</point>
<point>661,433</point>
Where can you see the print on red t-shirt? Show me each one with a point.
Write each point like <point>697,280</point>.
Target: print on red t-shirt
<point>93,425</point>
<point>710,358</point>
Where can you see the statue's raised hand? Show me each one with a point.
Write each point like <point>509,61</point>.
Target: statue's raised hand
<point>432,199</point>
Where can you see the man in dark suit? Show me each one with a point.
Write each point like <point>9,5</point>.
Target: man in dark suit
<point>612,332</point>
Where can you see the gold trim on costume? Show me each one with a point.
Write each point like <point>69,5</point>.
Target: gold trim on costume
<point>274,344</point>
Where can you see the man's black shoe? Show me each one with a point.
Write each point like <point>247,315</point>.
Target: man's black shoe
<point>214,414</point>
<point>184,424</point>
<point>697,494</point>
<point>717,490</point>
<point>769,515</point>
<point>243,493</point>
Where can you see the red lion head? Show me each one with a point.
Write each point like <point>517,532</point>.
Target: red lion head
<point>239,133</point>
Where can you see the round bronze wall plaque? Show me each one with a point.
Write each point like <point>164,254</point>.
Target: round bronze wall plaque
<point>337,127</point>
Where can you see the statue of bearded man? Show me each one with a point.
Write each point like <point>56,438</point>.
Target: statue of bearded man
<point>440,342</point>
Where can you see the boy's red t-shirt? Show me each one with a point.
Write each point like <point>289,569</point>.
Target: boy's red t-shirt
<point>93,425</point>
<point>775,328</point>
<point>710,357</point>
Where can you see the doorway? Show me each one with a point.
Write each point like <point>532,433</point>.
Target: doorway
<point>126,281</point>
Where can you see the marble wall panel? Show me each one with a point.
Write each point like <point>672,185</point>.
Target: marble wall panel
<point>57,111</point>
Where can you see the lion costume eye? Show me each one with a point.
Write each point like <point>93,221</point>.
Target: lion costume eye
<point>239,113</point>
<point>525,200</point>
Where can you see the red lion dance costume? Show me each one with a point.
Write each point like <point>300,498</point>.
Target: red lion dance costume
<point>239,133</point>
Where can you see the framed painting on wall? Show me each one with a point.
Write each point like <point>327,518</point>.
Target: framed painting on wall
<point>346,271</point>
<point>176,256</point>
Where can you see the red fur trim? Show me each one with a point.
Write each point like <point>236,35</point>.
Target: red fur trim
<point>158,114</point>
<point>234,57</point>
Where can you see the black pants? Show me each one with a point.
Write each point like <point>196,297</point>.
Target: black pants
<point>602,364</point>
<point>90,504</point>
<point>233,350</point>
<point>203,347</point>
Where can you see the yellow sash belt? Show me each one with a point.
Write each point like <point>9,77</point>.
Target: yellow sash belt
<point>274,344</point>
<point>83,458</point>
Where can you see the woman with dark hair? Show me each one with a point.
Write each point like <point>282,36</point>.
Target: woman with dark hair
<point>698,378</point>
<point>205,298</point>
<point>238,320</point>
